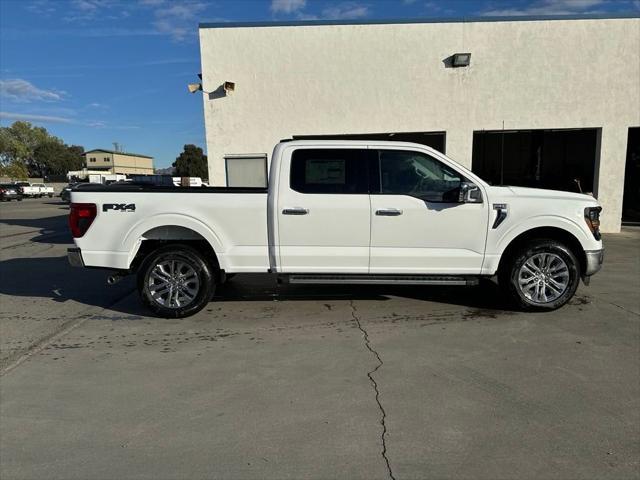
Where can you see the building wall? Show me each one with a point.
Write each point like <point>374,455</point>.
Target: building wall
<point>333,79</point>
<point>132,164</point>
<point>119,163</point>
<point>100,162</point>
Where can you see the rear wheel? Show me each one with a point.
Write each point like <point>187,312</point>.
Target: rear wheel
<point>175,281</point>
<point>541,275</point>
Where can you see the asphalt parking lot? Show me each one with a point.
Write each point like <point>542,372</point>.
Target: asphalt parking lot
<point>308,382</point>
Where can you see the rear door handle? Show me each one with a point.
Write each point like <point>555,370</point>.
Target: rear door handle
<point>295,211</point>
<point>388,212</point>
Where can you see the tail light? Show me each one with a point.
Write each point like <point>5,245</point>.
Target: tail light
<point>81,217</point>
<point>592,217</point>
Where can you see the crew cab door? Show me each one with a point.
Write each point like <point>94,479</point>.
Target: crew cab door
<point>417,223</point>
<point>323,211</point>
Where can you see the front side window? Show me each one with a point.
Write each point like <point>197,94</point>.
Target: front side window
<point>417,174</point>
<point>329,171</point>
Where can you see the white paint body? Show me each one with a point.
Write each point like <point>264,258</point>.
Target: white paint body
<point>379,78</point>
<point>36,190</point>
<point>340,233</point>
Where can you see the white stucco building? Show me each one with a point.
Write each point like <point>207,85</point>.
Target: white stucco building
<point>548,102</point>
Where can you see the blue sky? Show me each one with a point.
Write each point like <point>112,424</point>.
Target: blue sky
<point>94,72</point>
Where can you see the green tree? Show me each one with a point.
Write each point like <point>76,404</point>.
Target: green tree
<point>14,170</point>
<point>192,162</point>
<point>18,144</point>
<point>56,158</point>
<point>77,156</point>
<point>26,150</point>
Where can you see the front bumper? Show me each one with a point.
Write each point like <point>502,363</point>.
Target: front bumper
<point>74,255</point>
<point>594,261</point>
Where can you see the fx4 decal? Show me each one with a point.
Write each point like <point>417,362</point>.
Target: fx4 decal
<point>120,207</point>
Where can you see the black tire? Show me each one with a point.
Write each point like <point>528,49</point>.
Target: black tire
<point>181,255</point>
<point>512,271</point>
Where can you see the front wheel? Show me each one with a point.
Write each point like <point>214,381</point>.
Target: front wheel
<point>175,281</point>
<point>542,275</point>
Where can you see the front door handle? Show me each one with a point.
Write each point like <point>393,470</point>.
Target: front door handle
<point>295,211</point>
<point>388,212</point>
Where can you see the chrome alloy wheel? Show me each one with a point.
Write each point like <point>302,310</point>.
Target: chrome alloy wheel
<point>543,278</point>
<point>173,283</point>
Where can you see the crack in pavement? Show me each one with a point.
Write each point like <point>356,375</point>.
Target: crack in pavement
<point>367,344</point>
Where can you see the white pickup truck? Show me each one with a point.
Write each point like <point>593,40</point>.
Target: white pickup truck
<point>341,212</point>
<point>34,189</point>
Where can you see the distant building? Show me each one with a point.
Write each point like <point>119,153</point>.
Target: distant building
<point>110,161</point>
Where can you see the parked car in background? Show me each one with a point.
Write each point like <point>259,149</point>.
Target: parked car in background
<point>34,190</point>
<point>8,192</point>
<point>65,193</point>
<point>43,189</point>
<point>27,190</point>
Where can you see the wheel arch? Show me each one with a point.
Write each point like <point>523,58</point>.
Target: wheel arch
<point>149,236</point>
<point>554,233</point>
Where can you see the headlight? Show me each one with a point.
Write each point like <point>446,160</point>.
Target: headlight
<point>592,217</point>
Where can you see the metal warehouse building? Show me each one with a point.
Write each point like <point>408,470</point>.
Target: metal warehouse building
<point>550,102</point>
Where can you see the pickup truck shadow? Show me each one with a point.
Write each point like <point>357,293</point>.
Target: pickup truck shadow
<point>52,230</point>
<point>249,287</point>
<point>60,282</point>
<point>54,278</point>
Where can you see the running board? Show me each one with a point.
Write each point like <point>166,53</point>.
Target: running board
<point>379,279</point>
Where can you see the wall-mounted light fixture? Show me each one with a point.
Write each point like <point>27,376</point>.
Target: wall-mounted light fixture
<point>223,90</point>
<point>460,60</point>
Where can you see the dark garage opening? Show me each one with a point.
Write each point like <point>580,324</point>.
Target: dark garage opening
<point>631,199</point>
<point>553,159</point>
<point>435,140</point>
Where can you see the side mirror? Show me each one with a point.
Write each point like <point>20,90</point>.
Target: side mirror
<point>469,193</point>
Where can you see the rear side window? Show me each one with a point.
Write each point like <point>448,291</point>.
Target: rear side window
<point>330,171</point>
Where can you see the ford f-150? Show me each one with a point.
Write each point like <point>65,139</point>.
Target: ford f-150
<point>341,212</point>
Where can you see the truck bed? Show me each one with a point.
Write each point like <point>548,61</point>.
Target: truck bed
<point>232,220</point>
